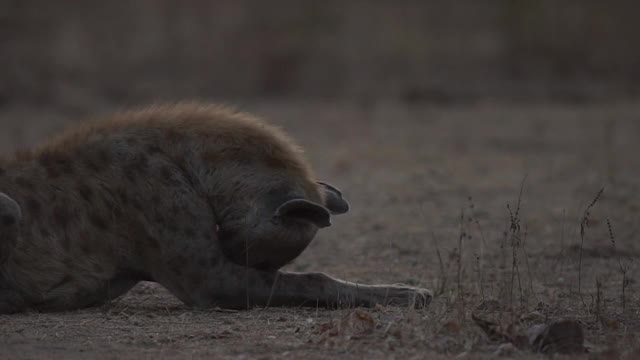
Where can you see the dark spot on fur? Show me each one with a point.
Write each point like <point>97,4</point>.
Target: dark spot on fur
<point>214,261</point>
<point>49,159</point>
<point>167,174</point>
<point>211,156</point>
<point>152,242</point>
<point>175,209</point>
<point>98,160</point>
<point>24,183</point>
<point>274,162</point>
<point>56,164</point>
<point>44,233</point>
<point>196,277</point>
<point>172,227</point>
<point>131,174</point>
<point>153,149</point>
<point>8,220</point>
<point>135,167</point>
<point>2,171</point>
<point>65,242</point>
<point>33,206</point>
<point>158,218</point>
<point>131,140</point>
<point>141,162</point>
<point>177,264</point>
<point>85,246</point>
<point>84,242</point>
<point>98,268</point>
<point>53,172</point>
<point>91,163</point>
<point>143,242</point>
<point>229,153</point>
<point>202,262</point>
<point>173,136</point>
<point>189,232</point>
<point>122,196</point>
<point>61,216</point>
<point>99,222</point>
<point>86,192</point>
<point>104,157</point>
<point>138,205</point>
<point>65,280</point>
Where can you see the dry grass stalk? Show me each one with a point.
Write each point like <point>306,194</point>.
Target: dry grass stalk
<point>483,246</point>
<point>459,262</point>
<point>623,269</point>
<point>584,224</point>
<point>515,241</point>
<point>442,279</point>
<point>598,310</point>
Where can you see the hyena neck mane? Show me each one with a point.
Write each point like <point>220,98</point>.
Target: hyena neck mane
<point>203,140</point>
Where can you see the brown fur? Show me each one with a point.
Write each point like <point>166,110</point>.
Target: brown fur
<point>199,198</point>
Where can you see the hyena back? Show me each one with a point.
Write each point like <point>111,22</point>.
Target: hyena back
<point>206,201</point>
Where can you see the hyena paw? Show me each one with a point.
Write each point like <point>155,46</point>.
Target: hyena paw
<point>401,295</point>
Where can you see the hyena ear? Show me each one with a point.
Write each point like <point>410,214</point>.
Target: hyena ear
<point>333,199</point>
<point>305,210</point>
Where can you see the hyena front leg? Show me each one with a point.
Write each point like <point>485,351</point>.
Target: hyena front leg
<point>233,286</point>
<point>317,289</point>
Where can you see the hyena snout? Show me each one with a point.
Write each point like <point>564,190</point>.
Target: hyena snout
<point>10,217</point>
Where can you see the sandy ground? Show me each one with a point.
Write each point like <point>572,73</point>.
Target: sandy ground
<point>411,174</point>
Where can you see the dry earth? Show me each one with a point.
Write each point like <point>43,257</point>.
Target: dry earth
<point>410,173</point>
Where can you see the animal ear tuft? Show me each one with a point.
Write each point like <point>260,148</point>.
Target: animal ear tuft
<point>333,199</point>
<point>305,210</point>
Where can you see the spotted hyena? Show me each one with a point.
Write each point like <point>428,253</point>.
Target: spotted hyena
<point>208,202</point>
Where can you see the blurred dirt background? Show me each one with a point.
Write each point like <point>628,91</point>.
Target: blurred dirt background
<point>69,52</point>
<point>431,116</point>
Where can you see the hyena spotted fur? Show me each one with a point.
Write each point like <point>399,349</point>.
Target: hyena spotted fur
<point>208,202</point>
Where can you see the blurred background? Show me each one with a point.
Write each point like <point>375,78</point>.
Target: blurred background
<point>73,53</point>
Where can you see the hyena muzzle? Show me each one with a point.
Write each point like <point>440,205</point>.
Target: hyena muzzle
<point>208,202</point>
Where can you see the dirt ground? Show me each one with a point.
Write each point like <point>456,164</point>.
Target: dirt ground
<point>422,181</point>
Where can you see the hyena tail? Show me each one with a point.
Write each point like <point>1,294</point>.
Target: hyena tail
<point>10,217</point>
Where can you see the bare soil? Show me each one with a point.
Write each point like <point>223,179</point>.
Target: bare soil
<point>422,181</point>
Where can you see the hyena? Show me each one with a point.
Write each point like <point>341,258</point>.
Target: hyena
<point>208,202</point>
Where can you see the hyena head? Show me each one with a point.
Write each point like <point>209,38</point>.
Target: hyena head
<point>10,217</point>
<point>277,226</point>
